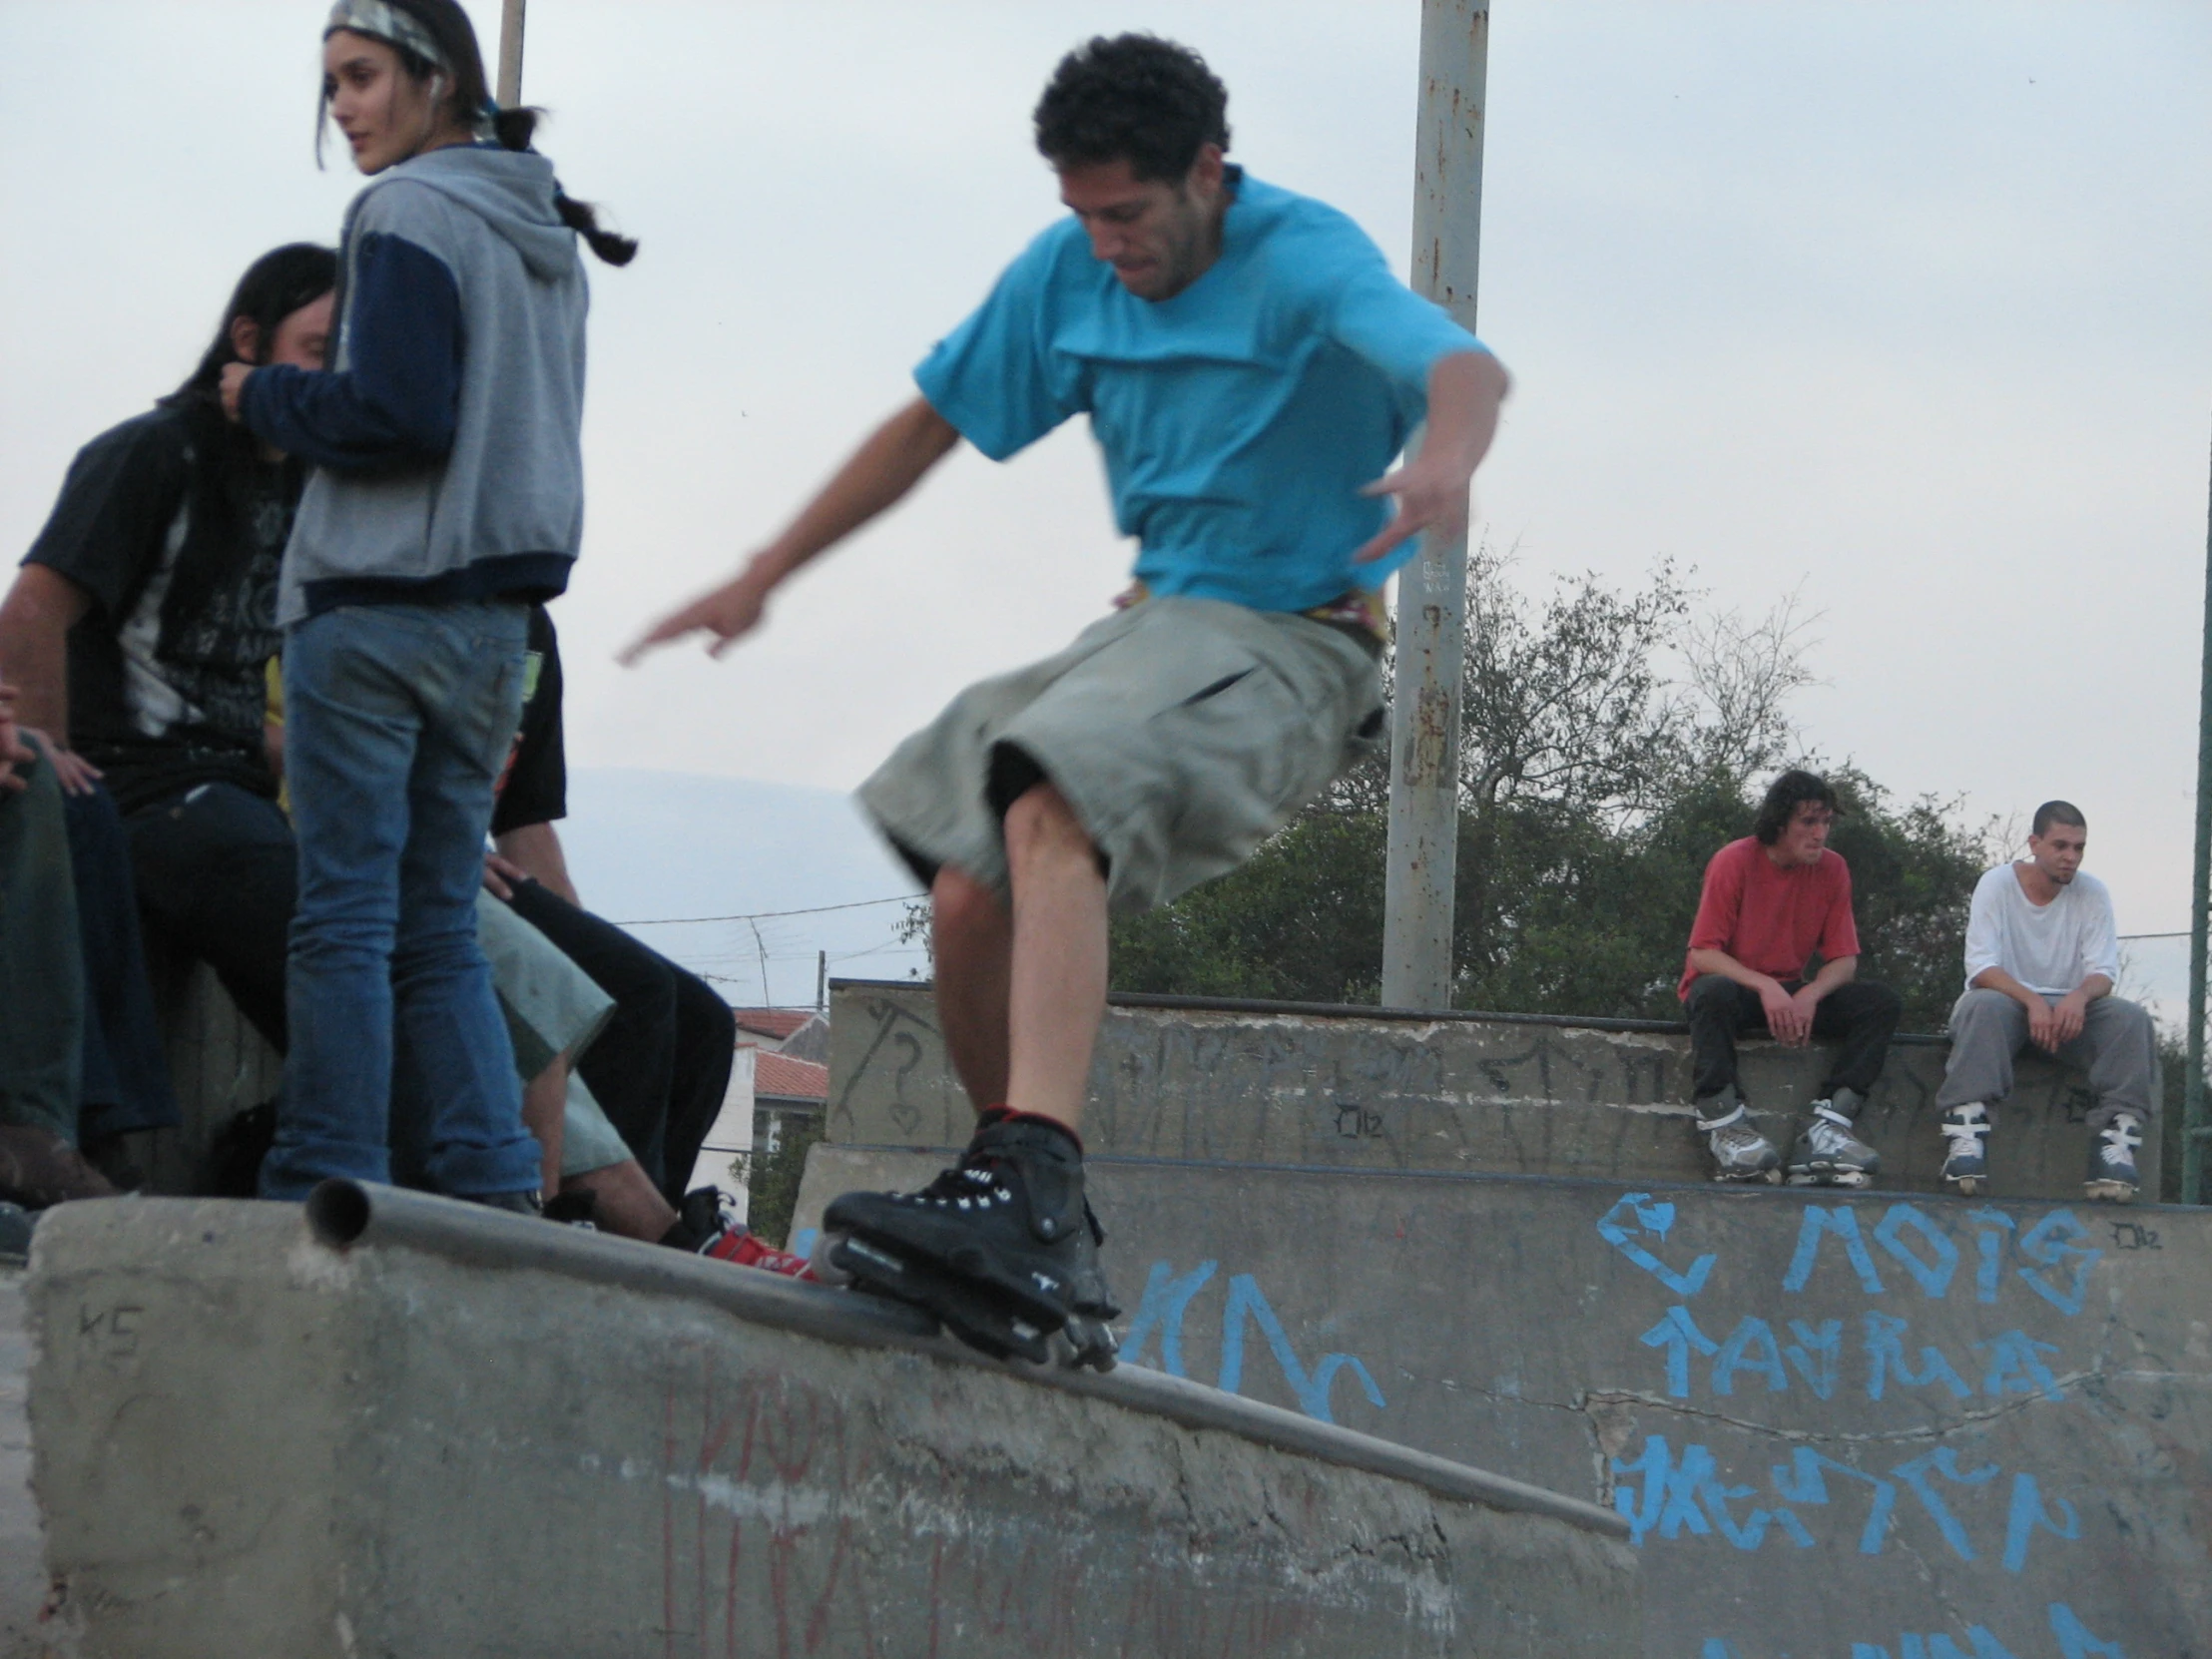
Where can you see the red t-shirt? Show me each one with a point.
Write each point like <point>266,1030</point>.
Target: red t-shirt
<point>1770,919</point>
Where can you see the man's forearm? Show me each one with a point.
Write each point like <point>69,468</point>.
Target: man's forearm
<point>1465,391</point>
<point>35,620</point>
<point>1722,963</point>
<point>2094,986</point>
<point>535,849</point>
<point>891,462</point>
<point>1842,972</point>
<point>1996,979</point>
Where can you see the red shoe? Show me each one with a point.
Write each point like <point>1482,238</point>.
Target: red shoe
<point>735,1244</point>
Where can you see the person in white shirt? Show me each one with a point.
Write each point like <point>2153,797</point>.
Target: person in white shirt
<point>2042,958</point>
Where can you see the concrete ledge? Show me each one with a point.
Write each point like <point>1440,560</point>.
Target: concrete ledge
<point>1300,1085</point>
<point>440,1430</point>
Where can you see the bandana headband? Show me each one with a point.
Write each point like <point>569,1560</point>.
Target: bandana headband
<point>388,23</point>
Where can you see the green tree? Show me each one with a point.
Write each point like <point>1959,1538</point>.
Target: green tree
<point>1611,742</point>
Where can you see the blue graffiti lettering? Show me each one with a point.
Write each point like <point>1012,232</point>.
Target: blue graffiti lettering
<point>2049,1242</point>
<point>1245,1299</point>
<point>1688,1496</point>
<point>1799,1481</point>
<point>2016,1367</point>
<point>2074,1640</point>
<point>1934,1277</point>
<point>1652,1220</point>
<point>1990,1226</point>
<point>1986,1646</point>
<point>2027,1515</point>
<point>1678,1333</point>
<point>1166,1300</point>
<point>1886,1355</point>
<point>1944,1460</point>
<point>1845,1225</point>
<point>1750,1346</point>
<point>1824,1345</point>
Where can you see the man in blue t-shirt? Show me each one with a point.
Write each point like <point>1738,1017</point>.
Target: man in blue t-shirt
<point>1249,366</point>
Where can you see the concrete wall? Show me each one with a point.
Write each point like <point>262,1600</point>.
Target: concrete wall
<point>1347,1090</point>
<point>1843,1426</point>
<point>477,1435</point>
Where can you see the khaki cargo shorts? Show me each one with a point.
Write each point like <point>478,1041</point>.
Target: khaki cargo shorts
<point>1183,733</point>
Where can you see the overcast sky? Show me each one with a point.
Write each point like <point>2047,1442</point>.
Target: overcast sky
<point>1902,305</point>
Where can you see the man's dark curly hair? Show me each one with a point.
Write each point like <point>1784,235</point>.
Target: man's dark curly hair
<point>1135,98</point>
<point>1784,797</point>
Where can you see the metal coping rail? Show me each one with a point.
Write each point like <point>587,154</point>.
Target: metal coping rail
<point>1360,1010</point>
<point>346,1215</point>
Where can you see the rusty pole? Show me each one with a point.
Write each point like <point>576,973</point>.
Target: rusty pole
<point>510,53</point>
<point>1432,589</point>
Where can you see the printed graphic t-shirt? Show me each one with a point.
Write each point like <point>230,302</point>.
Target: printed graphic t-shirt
<point>165,685</point>
<point>1770,919</point>
<point>1240,419</point>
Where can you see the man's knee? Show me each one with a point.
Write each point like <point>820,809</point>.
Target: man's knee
<point>1980,1008</point>
<point>1043,828</point>
<point>963,909</point>
<point>1710,991</point>
<point>1881,1003</point>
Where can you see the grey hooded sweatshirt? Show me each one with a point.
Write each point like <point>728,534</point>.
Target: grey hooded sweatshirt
<point>446,435</point>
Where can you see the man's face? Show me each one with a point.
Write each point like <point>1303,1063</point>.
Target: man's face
<point>1158,236</point>
<point>302,338</point>
<point>1805,837</point>
<point>2058,851</point>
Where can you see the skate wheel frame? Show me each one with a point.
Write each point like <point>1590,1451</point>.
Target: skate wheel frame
<point>969,1311</point>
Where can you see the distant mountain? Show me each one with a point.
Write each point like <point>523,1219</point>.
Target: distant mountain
<point>652,847</point>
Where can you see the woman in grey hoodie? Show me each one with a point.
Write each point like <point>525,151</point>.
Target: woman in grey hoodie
<point>448,496</point>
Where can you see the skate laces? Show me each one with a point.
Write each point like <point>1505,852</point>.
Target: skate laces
<point>1963,1127</point>
<point>1828,1130</point>
<point>2118,1141</point>
<point>1710,1126</point>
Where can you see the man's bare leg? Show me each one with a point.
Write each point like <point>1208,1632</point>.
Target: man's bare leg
<point>627,1204</point>
<point>972,938</point>
<point>1058,964</point>
<point>544,1105</point>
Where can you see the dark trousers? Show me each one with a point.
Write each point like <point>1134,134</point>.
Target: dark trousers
<point>126,1069</point>
<point>42,981</point>
<point>218,878</point>
<point>1864,1015</point>
<point>661,1065</point>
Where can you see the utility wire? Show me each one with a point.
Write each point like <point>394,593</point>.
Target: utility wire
<point>766,915</point>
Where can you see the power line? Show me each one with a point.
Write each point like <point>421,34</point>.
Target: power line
<point>766,915</point>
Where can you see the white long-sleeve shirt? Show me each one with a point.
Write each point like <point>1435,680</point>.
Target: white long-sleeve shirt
<point>2050,949</point>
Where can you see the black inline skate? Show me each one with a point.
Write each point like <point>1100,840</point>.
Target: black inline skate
<point>1001,1247</point>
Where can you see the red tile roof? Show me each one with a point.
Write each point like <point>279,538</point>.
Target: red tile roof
<point>781,1077</point>
<point>778,1023</point>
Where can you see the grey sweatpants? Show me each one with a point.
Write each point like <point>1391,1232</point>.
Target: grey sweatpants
<point>2117,1048</point>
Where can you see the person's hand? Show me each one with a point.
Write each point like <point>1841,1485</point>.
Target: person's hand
<point>502,876</point>
<point>2042,1025</point>
<point>1433,500</point>
<point>72,771</point>
<point>14,752</point>
<point>2068,1015</point>
<point>729,613</point>
<point>1788,1024</point>
<point>234,382</point>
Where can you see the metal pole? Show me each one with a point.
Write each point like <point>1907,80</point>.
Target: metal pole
<point>2196,1127</point>
<point>1432,589</point>
<point>510,53</point>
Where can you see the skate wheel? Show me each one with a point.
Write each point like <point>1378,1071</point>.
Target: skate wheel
<point>822,1260</point>
<point>1087,1341</point>
<point>2109,1192</point>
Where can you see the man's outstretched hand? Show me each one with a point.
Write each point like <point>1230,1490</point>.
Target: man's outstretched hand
<point>1433,500</point>
<point>729,613</point>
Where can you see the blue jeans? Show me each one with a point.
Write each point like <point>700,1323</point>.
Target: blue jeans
<point>398,718</point>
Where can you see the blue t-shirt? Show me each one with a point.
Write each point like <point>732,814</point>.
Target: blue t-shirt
<point>1240,418</point>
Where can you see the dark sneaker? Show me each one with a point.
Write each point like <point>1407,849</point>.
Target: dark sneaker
<point>2112,1176</point>
<point>1740,1152</point>
<point>1967,1163</point>
<point>38,1168</point>
<point>1001,1247</point>
<point>1827,1153</point>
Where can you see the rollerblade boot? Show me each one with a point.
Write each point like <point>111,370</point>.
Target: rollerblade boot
<point>1740,1152</point>
<point>1827,1153</point>
<point>2112,1176</point>
<point>1001,1247</point>
<point>1966,1163</point>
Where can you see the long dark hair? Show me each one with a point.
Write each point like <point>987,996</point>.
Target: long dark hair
<point>1785,795</point>
<point>226,457</point>
<point>449,26</point>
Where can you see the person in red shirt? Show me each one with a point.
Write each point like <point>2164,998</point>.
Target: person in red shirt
<point>1772,903</point>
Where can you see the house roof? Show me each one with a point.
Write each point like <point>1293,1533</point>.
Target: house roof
<point>772,1023</point>
<point>779,1077</point>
